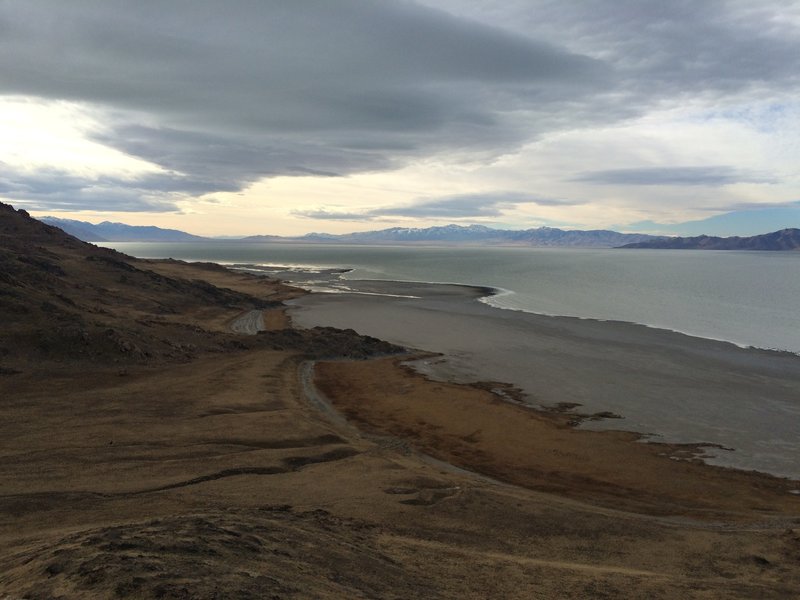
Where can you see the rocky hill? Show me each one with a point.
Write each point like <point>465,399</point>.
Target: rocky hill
<point>65,300</point>
<point>785,239</point>
<point>146,451</point>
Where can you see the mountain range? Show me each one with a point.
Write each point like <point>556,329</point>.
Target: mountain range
<point>479,235</point>
<point>447,234</point>
<point>119,232</point>
<point>474,234</point>
<point>785,239</point>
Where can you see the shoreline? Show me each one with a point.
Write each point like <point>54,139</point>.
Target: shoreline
<point>469,428</point>
<point>565,415</point>
<point>483,294</point>
<point>709,324</point>
<point>449,322</point>
<point>149,451</point>
<point>711,452</point>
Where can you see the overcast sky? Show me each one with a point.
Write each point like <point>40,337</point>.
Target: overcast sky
<point>268,116</point>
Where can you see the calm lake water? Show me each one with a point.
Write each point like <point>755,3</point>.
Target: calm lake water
<point>748,298</point>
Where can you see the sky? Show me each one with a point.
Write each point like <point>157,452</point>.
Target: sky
<point>272,117</point>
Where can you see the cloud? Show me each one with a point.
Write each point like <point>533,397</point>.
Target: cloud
<point>306,171</point>
<point>332,215</point>
<point>703,176</point>
<point>120,199</point>
<point>665,49</point>
<point>229,94</point>
<point>464,206</point>
<point>46,189</point>
<point>222,95</point>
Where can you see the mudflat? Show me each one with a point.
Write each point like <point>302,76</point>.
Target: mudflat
<point>469,426</point>
<point>742,402</point>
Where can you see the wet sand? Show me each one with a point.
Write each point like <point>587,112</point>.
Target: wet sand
<point>674,387</point>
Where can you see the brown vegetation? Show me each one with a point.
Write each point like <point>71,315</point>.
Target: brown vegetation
<point>147,452</point>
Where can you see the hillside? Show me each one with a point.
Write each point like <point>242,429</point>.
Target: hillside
<point>148,451</point>
<point>777,241</point>
<point>68,301</point>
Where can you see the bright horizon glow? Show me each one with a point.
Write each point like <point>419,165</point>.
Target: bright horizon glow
<point>41,134</point>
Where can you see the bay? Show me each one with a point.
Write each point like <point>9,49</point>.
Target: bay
<point>747,298</point>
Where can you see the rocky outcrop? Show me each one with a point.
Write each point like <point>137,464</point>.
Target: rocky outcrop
<point>64,299</point>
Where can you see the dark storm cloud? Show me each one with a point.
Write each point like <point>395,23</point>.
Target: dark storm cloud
<point>228,93</point>
<point>706,176</point>
<point>210,162</point>
<point>55,189</point>
<point>657,47</point>
<point>723,46</point>
<point>315,172</point>
<point>221,94</point>
<point>117,198</point>
<point>449,207</point>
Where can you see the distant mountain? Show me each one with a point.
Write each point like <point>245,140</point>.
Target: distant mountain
<point>785,239</point>
<point>446,233</point>
<point>472,234</point>
<point>268,238</point>
<point>119,232</point>
<point>79,229</point>
<point>478,235</point>
<point>596,238</point>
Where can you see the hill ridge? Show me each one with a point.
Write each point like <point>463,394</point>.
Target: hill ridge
<point>781,240</point>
